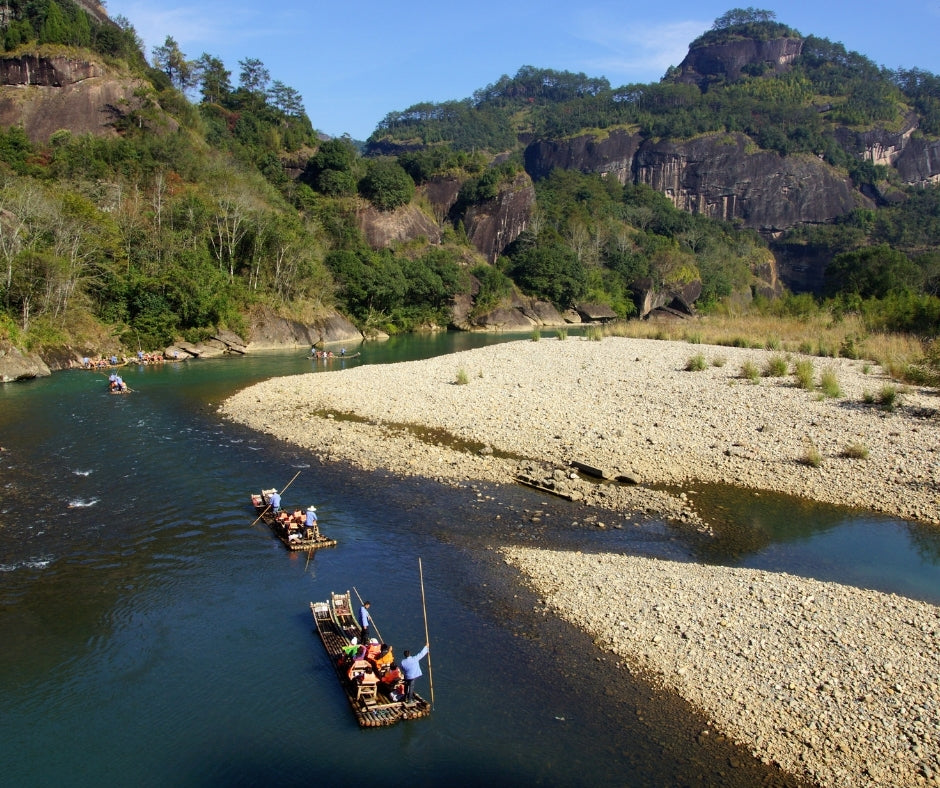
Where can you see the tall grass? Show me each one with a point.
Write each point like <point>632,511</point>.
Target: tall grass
<point>905,357</point>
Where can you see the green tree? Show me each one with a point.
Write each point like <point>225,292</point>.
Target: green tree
<point>54,29</point>
<point>214,79</point>
<point>169,58</point>
<point>872,272</point>
<point>551,271</point>
<point>386,185</point>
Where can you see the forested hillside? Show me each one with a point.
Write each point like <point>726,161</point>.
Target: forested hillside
<point>206,195</point>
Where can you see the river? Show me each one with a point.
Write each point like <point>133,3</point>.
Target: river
<point>152,636</point>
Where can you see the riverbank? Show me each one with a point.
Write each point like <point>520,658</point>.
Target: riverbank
<point>836,684</point>
<point>627,406</point>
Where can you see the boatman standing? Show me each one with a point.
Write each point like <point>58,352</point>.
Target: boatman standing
<point>275,501</point>
<point>364,620</point>
<point>311,523</point>
<point>411,670</point>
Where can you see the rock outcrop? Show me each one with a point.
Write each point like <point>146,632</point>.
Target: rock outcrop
<point>17,365</point>
<point>492,226</point>
<point>47,93</point>
<point>270,331</point>
<point>383,228</point>
<point>726,61</point>
<point>723,176</point>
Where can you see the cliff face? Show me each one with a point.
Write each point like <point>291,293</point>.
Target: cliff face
<point>612,154</point>
<point>44,93</point>
<point>492,226</point>
<point>718,175</point>
<point>382,228</point>
<point>727,60</point>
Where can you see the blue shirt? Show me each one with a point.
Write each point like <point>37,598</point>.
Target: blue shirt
<point>275,501</point>
<point>311,518</point>
<point>364,617</point>
<point>410,667</point>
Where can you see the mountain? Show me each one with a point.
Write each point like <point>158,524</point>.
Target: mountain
<point>133,214</point>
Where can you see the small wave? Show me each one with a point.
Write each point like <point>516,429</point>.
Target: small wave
<point>301,465</point>
<point>81,473</point>
<point>35,563</point>
<point>80,503</point>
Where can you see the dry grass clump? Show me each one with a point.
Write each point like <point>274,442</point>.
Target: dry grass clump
<point>750,371</point>
<point>805,372</point>
<point>855,451</point>
<point>696,363</point>
<point>812,456</point>
<point>462,377</point>
<point>829,383</point>
<point>776,367</point>
<point>904,357</point>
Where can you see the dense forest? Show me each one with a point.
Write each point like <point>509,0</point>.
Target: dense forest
<point>217,196</point>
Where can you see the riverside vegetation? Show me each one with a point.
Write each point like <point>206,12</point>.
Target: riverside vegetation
<point>191,214</point>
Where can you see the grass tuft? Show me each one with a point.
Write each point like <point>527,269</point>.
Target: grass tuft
<point>750,371</point>
<point>696,363</point>
<point>829,383</point>
<point>855,451</point>
<point>462,378</point>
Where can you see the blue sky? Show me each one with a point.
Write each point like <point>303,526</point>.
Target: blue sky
<point>355,62</point>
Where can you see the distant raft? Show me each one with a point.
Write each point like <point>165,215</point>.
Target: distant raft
<point>289,525</point>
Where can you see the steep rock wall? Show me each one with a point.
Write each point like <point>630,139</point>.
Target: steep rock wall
<point>726,60</point>
<point>492,226</point>
<point>611,154</point>
<point>721,177</point>
<point>44,94</point>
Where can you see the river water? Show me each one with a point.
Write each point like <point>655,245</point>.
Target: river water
<point>150,635</point>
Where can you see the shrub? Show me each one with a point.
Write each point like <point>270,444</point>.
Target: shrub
<point>719,361</point>
<point>776,367</point>
<point>562,333</point>
<point>749,370</point>
<point>812,457</point>
<point>693,338</point>
<point>887,397</point>
<point>536,335</point>
<point>594,333</point>
<point>696,363</point>
<point>773,343</point>
<point>462,379</point>
<point>829,383</point>
<point>805,374</point>
<point>855,451</point>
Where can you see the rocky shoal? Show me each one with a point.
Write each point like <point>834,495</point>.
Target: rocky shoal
<point>834,683</point>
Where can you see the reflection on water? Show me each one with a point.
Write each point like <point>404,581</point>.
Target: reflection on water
<point>764,530</point>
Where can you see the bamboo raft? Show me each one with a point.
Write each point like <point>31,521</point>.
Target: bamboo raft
<point>336,626</point>
<point>304,542</point>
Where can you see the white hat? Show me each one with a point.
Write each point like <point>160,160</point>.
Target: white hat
<point>311,508</point>
<point>274,489</point>
<point>355,641</point>
<point>374,642</point>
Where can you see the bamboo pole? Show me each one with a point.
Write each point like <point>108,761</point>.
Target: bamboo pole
<point>427,638</point>
<point>263,511</point>
<point>381,639</point>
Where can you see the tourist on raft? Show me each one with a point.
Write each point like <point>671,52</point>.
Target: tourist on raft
<point>411,670</point>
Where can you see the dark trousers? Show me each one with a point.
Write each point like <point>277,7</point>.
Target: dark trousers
<point>409,689</point>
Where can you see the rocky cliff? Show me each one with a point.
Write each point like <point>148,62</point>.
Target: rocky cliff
<point>492,226</point>
<point>727,60</point>
<point>723,176</point>
<point>44,93</point>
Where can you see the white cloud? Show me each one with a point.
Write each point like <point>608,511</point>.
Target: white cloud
<point>640,52</point>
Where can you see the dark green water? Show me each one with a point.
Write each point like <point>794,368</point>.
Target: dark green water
<point>149,635</point>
